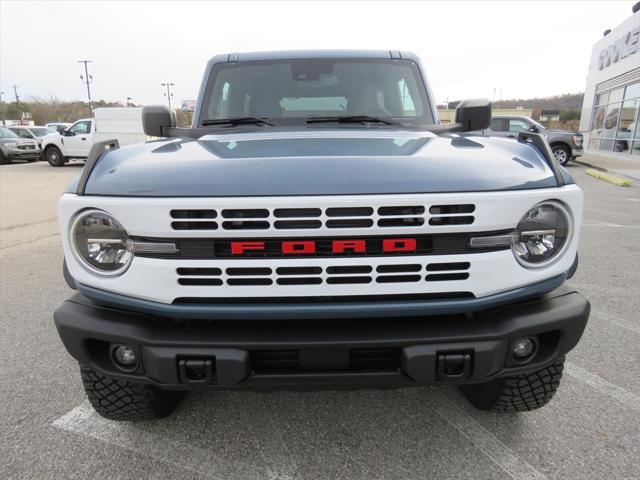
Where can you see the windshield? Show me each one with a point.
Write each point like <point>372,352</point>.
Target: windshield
<point>292,91</point>
<point>42,131</point>
<point>6,133</point>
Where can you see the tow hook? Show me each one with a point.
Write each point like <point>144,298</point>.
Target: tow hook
<point>453,365</point>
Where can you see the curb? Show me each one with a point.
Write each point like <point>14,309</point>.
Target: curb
<point>621,182</point>
<point>606,170</point>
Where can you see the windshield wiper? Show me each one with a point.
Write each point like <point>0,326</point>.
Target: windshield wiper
<point>238,121</point>
<point>351,119</point>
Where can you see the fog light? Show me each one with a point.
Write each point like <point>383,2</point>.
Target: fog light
<point>523,347</point>
<point>125,357</point>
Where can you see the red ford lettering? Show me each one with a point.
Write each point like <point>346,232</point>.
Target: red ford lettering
<point>295,247</point>
<point>355,246</point>
<point>399,245</point>
<point>239,248</point>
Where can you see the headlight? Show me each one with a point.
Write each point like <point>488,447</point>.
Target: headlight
<point>542,234</point>
<point>99,242</point>
<point>11,145</point>
<point>578,139</point>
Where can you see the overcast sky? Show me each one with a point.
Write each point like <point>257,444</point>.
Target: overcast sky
<point>523,49</point>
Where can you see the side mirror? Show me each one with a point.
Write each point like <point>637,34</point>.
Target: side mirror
<point>156,119</point>
<point>66,133</point>
<point>533,129</point>
<point>474,114</point>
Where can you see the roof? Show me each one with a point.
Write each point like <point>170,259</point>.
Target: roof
<point>296,54</point>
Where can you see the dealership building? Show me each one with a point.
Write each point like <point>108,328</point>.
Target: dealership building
<point>610,113</point>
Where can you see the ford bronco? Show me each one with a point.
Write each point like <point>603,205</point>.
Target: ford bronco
<point>317,228</point>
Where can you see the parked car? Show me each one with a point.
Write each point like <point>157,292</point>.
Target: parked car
<point>12,147</point>
<point>36,133</point>
<point>121,124</point>
<point>58,126</point>
<point>317,228</point>
<point>565,145</point>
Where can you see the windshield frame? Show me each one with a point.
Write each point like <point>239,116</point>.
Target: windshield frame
<point>426,119</point>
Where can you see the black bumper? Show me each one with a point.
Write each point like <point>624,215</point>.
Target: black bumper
<point>330,353</point>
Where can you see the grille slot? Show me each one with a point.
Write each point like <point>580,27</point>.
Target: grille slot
<point>296,212</point>
<point>193,214</point>
<point>275,361</point>
<point>248,271</point>
<point>347,269</point>
<point>245,225</point>
<point>440,267</point>
<point>401,222</point>
<point>200,281</point>
<point>349,212</point>
<point>463,220</point>
<point>401,211</point>
<point>374,359</point>
<point>297,224</point>
<point>249,281</point>
<point>414,267</point>
<point>298,270</point>
<point>440,277</point>
<point>194,225</point>
<point>345,280</point>
<point>350,223</point>
<point>299,281</point>
<point>246,213</point>
<point>398,278</point>
<point>451,209</point>
<point>199,271</point>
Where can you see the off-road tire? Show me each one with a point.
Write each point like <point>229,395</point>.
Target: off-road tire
<point>562,153</point>
<point>121,400</point>
<point>520,393</point>
<point>54,157</point>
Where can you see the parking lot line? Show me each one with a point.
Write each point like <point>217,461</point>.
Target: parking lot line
<point>485,441</point>
<point>602,385</point>
<point>85,421</point>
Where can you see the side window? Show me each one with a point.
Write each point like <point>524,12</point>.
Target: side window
<point>517,125</point>
<point>80,128</point>
<point>24,133</point>
<point>498,124</point>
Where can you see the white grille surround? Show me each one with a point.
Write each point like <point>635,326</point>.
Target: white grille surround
<point>157,279</point>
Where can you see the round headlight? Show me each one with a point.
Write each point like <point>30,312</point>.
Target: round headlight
<point>99,242</point>
<point>542,234</point>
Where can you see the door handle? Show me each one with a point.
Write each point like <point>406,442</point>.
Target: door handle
<point>508,136</point>
<point>83,138</point>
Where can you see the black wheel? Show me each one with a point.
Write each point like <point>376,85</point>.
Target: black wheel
<point>562,153</point>
<point>3,159</point>
<point>54,157</point>
<point>520,393</point>
<point>122,400</point>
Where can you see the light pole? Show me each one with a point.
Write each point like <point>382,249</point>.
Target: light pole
<point>87,79</point>
<point>168,93</point>
<point>15,92</point>
<point>4,111</point>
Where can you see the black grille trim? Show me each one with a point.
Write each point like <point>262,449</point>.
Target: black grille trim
<point>321,300</point>
<point>213,248</point>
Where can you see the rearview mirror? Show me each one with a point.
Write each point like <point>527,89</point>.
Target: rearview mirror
<point>474,114</point>
<point>156,119</point>
<point>534,129</point>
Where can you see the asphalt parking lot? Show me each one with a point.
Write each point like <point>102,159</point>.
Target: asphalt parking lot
<point>48,430</point>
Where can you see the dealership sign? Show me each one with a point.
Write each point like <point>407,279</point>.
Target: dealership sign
<point>620,49</point>
<point>188,105</point>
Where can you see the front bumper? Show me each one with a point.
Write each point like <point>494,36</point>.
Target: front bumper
<point>577,151</point>
<point>22,154</point>
<point>323,353</point>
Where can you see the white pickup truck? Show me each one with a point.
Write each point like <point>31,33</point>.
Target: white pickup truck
<point>122,124</point>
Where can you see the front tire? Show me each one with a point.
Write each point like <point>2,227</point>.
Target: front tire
<point>3,159</point>
<point>126,401</point>
<point>519,393</point>
<point>562,154</point>
<point>54,157</point>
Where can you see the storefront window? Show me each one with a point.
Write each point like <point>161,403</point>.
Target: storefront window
<point>615,124</point>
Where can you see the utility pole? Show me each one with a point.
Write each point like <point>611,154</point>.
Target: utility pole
<point>4,110</point>
<point>15,92</point>
<point>168,94</point>
<point>88,79</point>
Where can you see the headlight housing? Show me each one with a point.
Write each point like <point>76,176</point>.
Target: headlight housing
<point>578,139</point>
<point>542,235</point>
<point>100,243</point>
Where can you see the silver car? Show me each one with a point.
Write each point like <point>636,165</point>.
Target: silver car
<point>12,147</point>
